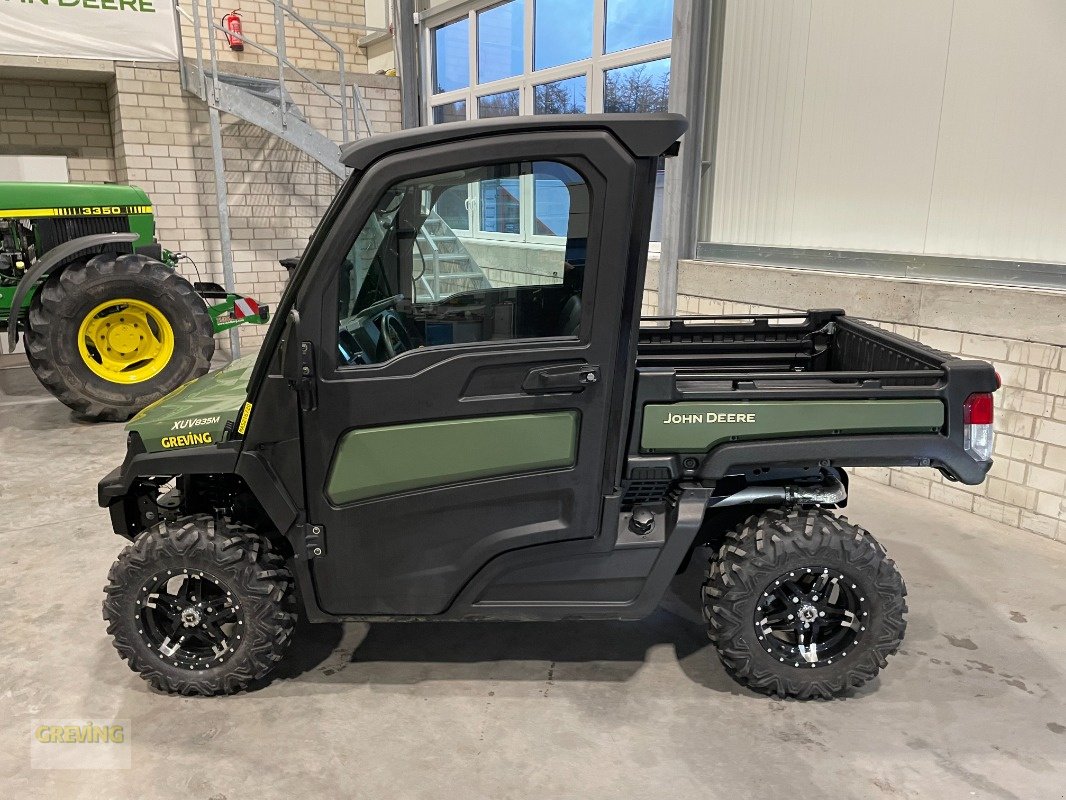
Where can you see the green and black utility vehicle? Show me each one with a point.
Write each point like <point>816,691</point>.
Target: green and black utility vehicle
<point>528,450</point>
<point>110,325</point>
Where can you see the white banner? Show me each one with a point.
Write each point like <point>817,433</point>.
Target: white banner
<point>116,30</point>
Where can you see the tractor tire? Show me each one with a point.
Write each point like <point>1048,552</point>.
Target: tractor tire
<point>200,607</point>
<point>70,331</point>
<point>803,604</point>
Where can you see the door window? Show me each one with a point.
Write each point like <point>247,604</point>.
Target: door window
<point>415,276</point>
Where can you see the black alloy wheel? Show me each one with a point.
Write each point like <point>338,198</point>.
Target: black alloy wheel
<point>801,603</point>
<point>810,616</point>
<point>200,606</point>
<point>190,618</point>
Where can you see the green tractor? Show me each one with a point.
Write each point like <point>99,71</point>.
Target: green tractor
<point>110,325</point>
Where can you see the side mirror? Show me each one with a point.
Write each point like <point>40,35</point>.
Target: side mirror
<point>289,264</point>
<point>290,349</point>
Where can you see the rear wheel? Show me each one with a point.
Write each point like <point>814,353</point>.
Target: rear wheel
<point>200,606</point>
<point>112,335</point>
<point>801,603</point>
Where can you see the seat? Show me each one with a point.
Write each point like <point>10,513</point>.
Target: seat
<point>570,316</point>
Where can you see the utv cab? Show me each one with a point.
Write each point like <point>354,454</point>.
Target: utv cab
<point>458,414</point>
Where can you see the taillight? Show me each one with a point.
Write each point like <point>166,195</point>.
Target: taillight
<point>977,434</point>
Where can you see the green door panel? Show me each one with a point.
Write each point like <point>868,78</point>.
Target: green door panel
<point>697,427</point>
<point>371,462</point>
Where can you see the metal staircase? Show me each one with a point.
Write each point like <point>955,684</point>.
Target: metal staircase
<point>266,102</point>
<point>277,115</point>
<point>449,266</point>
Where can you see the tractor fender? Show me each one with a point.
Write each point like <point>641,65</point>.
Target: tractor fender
<point>50,260</point>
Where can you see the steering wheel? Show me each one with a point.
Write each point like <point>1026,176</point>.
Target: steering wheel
<point>374,309</point>
<point>394,334</point>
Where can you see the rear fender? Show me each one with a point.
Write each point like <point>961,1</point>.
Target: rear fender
<point>48,263</point>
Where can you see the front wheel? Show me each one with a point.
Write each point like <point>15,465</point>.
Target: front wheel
<point>117,333</point>
<point>801,603</point>
<point>200,606</point>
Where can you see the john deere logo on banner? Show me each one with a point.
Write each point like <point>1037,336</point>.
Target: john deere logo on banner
<point>116,30</point>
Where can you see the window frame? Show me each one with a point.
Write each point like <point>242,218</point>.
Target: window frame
<point>330,322</point>
<point>594,69</point>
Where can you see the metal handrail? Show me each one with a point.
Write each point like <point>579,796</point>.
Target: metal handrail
<point>357,99</point>
<point>342,101</point>
<point>194,18</point>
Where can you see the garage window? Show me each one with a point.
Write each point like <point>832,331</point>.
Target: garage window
<point>525,57</point>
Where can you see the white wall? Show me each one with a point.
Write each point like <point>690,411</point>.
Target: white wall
<point>916,126</point>
<point>40,169</point>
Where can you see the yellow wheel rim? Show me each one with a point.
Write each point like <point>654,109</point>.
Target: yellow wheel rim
<point>125,341</point>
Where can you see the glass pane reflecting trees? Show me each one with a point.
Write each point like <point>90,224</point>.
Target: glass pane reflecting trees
<point>501,104</point>
<point>560,97</point>
<point>637,88</point>
<point>449,112</point>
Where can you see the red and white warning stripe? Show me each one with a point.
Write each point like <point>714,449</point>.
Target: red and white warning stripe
<point>245,307</point>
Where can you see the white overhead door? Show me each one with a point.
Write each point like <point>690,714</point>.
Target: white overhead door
<point>917,126</point>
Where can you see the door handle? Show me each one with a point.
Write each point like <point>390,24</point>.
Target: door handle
<point>567,378</point>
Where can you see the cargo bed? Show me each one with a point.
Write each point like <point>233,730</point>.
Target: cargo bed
<point>823,341</point>
<point>821,361</point>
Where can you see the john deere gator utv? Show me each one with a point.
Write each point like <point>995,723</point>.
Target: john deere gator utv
<point>110,326</point>
<point>531,449</point>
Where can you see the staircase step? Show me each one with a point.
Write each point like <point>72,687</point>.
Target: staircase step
<point>235,98</point>
<point>454,276</point>
<point>265,89</point>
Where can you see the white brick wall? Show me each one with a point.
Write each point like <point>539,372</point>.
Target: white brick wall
<point>41,117</point>
<point>1027,484</point>
<point>302,47</point>
<point>142,129</point>
<point>277,194</point>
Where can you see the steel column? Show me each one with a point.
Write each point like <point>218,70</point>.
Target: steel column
<point>407,62</point>
<point>689,58</point>
<point>222,197</point>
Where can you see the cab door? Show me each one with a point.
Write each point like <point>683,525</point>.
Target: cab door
<point>470,327</point>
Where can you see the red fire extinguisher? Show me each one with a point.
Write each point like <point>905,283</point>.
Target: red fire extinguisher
<point>232,23</point>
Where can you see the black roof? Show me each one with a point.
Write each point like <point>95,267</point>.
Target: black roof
<point>645,135</point>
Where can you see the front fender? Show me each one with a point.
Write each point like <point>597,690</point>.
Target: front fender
<point>117,491</point>
<point>50,260</point>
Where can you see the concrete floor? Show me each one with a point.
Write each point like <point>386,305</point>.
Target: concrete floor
<point>973,706</point>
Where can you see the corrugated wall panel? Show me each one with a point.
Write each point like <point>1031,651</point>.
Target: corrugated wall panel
<point>1000,186</point>
<point>764,62</point>
<point>917,126</point>
<point>874,84</point>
